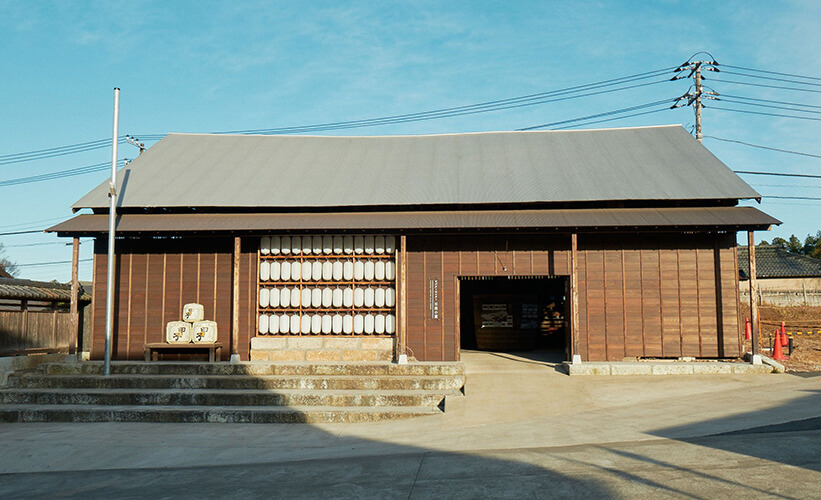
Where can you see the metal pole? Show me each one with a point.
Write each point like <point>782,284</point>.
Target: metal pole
<point>112,195</point>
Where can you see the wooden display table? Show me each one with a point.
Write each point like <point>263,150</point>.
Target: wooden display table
<point>152,350</point>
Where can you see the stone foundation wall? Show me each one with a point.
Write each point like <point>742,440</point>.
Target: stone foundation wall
<point>322,349</point>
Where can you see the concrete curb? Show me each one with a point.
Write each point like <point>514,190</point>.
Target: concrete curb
<point>10,364</point>
<point>662,368</point>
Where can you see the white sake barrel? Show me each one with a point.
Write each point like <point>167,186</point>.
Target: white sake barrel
<point>296,245</point>
<point>193,312</point>
<point>327,271</point>
<point>379,244</point>
<point>337,323</point>
<point>358,297</point>
<point>347,270</point>
<point>316,270</point>
<point>316,297</point>
<point>295,323</point>
<point>264,271</point>
<point>276,245</point>
<point>347,324</point>
<point>369,323</point>
<point>305,324</point>
<point>338,242</point>
<point>390,270</point>
<point>263,323</point>
<point>337,298</point>
<point>306,297</point>
<point>178,332</point>
<point>390,323</point>
<point>358,244</point>
<point>337,271</point>
<point>379,297</point>
<point>285,297</point>
<point>264,297</point>
<point>359,324</point>
<point>347,297</point>
<point>306,271</point>
<point>390,297</point>
<point>316,244</point>
<point>347,244</point>
<point>327,244</point>
<point>390,244</point>
<point>379,270</point>
<point>273,300</point>
<point>265,245</point>
<point>369,296</point>
<point>369,243</point>
<point>296,271</point>
<point>327,297</point>
<point>295,297</point>
<point>276,269</point>
<point>285,245</point>
<point>205,332</point>
<point>285,271</point>
<point>316,324</point>
<point>379,324</point>
<point>358,270</point>
<point>327,324</point>
<point>273,323</point>
<point>369,270</point>
<point>306,245</point>
<point>284,323</point>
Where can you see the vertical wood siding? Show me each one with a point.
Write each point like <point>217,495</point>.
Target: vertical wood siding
<point>154,279</point>
<point>640,295</point>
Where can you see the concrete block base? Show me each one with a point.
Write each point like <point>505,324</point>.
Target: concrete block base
<point>664,368</point>
<point>282,348</point>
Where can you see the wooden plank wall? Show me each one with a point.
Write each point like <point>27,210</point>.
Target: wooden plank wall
<point>640,295</point>
<point>35,331</point>
<point>155,278</point>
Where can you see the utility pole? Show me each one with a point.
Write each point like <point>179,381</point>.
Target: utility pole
<point>135,142</point>
<point>696,94</point>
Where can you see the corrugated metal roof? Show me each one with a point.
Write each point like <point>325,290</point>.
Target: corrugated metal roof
<point>11,288</point>
<point>775,262</point>
<point>195,170</point>
<point>704,217</point>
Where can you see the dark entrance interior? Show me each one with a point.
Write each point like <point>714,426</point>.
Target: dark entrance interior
<point>514,313</point>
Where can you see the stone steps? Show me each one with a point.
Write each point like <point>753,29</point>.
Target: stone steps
<point>207,414</point>
<point>34,380</point>
<point>254,392</point>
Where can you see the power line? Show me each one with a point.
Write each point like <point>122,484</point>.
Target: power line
<point>766,86</point>
<point>776,174</point>
<point>798,186</point>
<point>612,119</point>
<point>13,233</point>
<point>36,244</point>
<point>770,100</point>
<point>39,264</point>
<point>771,72</point>
<point>737,101</point>
<point>766,114</point>
<point>97,167</point>
<point>794,197</point>
<point>770,78</point>
<point>763,147</point>
<point>607,113</point>
<point>59,151</point>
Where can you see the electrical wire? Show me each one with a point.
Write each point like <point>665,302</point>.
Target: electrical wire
<point>762,147</point>
<point>97,167</point>
<point>790,186</point>
<point>793,197</point>
<point>14,233</point>
<point>606,113</point>
<point>56,152</point>
<point>770,72</point>
<point>772,101</point>
<point>613,119</point>
<point>765,114</point>
<point>776,174</point>
<point>765,86</point>
<point>772,106</point>
<point>770,78</point>
<point>39,264</point>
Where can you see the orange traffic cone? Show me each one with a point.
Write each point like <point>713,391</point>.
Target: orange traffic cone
<point>785,341</point>
<point>748,330</point>
<point>778,354</point>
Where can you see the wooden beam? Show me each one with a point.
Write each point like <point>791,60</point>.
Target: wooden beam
<point>753,295</point>
<point>73,341</point>
<point>235,302</point>
<point>402,320</point>
<point>574,298</point>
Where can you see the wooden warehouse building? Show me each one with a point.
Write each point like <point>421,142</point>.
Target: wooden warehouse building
<point>605,244</point>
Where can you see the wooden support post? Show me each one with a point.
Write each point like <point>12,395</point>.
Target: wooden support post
<point>575,355</point>
<point>753,298</point>
<point>235,303</point>
<point>74,335</point>
<point>402,321</point>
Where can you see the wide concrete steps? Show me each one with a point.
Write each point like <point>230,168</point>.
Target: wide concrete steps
<point>255,392</point>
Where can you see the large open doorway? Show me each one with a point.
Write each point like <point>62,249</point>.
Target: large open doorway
<point>514,313</point>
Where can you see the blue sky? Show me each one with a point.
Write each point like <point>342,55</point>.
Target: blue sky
<point>219,66</point>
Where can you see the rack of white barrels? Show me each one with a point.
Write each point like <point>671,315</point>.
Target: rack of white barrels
<point>327,285</point>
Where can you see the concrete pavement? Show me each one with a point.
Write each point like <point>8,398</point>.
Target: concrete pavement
<point>523,431</point>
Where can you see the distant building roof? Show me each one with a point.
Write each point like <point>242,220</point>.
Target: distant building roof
<point>288,172</point>
<point>774,262</point>
<point>11,288</point>
<point>4,273</point>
